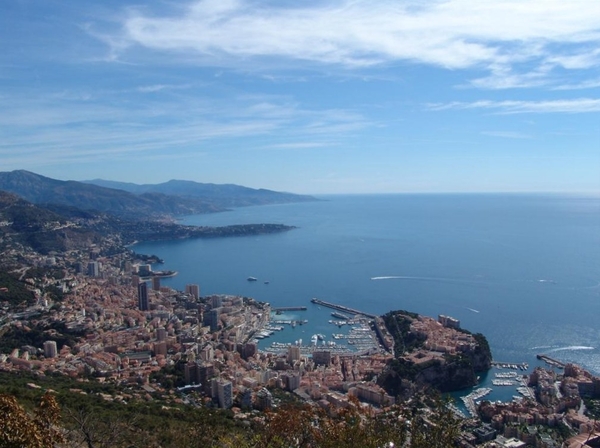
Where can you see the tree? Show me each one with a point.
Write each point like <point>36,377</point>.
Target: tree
<point>19,429</point>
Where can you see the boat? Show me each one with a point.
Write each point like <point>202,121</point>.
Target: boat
<point>251,279</point>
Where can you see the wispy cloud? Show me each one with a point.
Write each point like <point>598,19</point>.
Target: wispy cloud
<point>507,134</point>
<point>59,128</point>
<point>588,84</point>
<point>158,87</point>
<point>503,36</point>
<point>581,105</point>
<point>299,145</point>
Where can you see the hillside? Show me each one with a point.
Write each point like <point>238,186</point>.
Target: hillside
<point>40,229</point>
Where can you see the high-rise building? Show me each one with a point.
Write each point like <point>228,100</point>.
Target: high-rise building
<point>143,296</point>
<point>161,334</point>
<point>213,319</point>
<point>93,269</point>
<point>193,290</point>
<point>245,396</point>
<point>155,283</point>
<point>160,348</point>
<point>206,372</point>
<point>264,400</point>
<point>293,353</point>
<point>191,373</point>
<point>225,394</point>
<point>50,349</point>
<point>291,380</point>
<point>216,302</point>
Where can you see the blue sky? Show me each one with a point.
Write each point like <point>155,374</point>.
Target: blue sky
<point>334,96</point>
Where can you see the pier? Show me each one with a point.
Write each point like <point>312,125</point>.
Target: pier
<point>289,308</point>
<point>341,308</point>
<point>551,361</point>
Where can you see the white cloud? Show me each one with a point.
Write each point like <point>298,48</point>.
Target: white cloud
<point>497,35</point>
<point>581,105</point>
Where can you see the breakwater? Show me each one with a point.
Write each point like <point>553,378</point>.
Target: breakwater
<point>551,361</point>
<point>289,308</point>
<point>341,308</point>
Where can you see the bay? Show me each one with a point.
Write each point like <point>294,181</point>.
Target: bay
<point>522,269</point>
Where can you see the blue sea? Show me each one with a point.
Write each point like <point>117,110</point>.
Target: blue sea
<point>522,269</point>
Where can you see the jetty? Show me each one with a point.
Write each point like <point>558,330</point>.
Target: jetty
<point>341,308</point>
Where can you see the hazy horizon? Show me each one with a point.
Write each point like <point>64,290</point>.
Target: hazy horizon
<point>335,97</point>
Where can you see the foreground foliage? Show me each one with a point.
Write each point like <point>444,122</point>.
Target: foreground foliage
<point>19,428</point>
<point>83,421</point>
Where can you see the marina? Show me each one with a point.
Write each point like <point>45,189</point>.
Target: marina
<point>511,365</point>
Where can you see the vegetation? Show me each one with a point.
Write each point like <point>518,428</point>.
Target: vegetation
<point>75,415</point>
<point>14,291</point>
<point>398,323</point>
<point>17,337</point>
<point>592,408</point>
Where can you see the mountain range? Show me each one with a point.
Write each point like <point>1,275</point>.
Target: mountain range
<point>132,201</point>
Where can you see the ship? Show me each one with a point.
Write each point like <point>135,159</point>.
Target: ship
<point>251,279</point>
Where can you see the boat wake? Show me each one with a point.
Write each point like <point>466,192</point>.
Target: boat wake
<point>572,347</point>
<point>423,279</point>
<point>471,309</point>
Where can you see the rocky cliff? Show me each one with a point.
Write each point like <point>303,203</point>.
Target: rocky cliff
<point>429,354</point>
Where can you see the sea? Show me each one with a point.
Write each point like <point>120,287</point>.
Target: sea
<point>522,269</point>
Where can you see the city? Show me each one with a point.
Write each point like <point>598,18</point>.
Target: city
<point>127,329</point>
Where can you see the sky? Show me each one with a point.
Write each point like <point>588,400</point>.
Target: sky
<point>330,96</point>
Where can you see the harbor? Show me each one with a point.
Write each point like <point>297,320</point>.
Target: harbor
<point>349,335</point>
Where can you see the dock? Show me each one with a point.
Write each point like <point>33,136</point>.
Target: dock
<point>510,365</point>
<point>342,308</point>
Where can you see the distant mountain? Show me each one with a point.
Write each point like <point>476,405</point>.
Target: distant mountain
<point>174,198</point>
<point>44,190</point>
<point>219,195</point>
